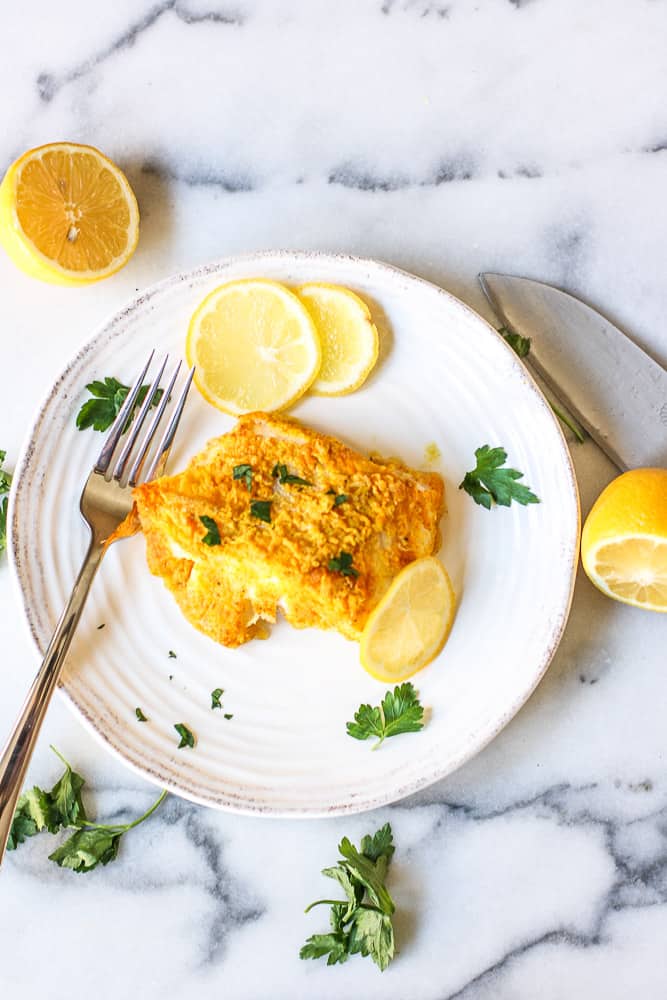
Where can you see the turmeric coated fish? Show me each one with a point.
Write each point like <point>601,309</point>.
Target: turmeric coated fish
<point>275,517</point>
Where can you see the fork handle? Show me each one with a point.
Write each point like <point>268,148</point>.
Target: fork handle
<point>18,750</point>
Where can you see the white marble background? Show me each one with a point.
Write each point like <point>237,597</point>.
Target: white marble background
<point>447,137</point>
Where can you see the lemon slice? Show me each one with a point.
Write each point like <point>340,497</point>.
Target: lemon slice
<point>409,626</point>
<point>347,334</point>
<point>624,541</point>
<point>254,346</point>
<point>67,214</point>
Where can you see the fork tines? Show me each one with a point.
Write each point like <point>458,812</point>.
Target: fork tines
<point>135,446</point>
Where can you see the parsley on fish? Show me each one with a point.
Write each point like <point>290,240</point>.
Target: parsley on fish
<point>400,711</point>
<point>243,472</point>
<point>187,736</point>
<point>280,473</point>
<point>340,498</point>
<point>261,509</point>
<point>342,564</point>
<point>362,922</point>
<point>140,715</point>
<point>212,536</point>
<point>216,695</point>
<point>108,396</point>
<point>61,808</point>
<point>491,482</point>
<point>5,484</point>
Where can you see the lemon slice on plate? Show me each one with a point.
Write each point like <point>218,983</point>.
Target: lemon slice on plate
<point>67,214</point>
<point>347,334</point>
<point>624,541</point>
<point>254,345</point>
<point>409,626</point>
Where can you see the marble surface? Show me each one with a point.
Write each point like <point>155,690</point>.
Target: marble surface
<point>448,137</point>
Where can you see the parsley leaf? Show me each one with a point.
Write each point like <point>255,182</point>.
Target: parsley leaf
<point>91,844</point>
<point>140,715</point>
<point>86,849</point>
<point>216,695</point>
<point>342,564</point>
<point>66,796</point>
<point>261,509</point>
<point>187,736</point>
<point>212,536</point>
<point>107,399</point>
<point>399,712</point>
<point>243,472</point>
<point>360,924</point>
<point>280,472</point>
<point>520,345</point>
<point>340,498</point>
<point>5,483</point>
<point>228,716</point>
<point>489,482</point>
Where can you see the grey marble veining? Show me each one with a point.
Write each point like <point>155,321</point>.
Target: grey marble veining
<point>448,138</point>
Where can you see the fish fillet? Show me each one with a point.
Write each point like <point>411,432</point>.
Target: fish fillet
<point>389,517</point>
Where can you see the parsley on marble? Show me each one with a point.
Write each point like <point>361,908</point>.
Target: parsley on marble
<point>61,808</point>
<point>280,473</point>
<point>216,695</point>
<point>400,711</point>
<point>362,922</point>
<point>243,472</point>
<point>342,564</point>
<point>187,736</point>
<point>107,398</point>
<point>491,482</point>
<point>212,536</point>
<point>261,509</point>
<point>5,483</point>
<point>140,715</point>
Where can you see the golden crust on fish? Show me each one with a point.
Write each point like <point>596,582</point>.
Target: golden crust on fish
<point>389,518</point>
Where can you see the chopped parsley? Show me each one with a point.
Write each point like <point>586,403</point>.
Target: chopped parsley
<point>140,715</point>
<point>212,536</point>
<point>280,472</point>
<point>340,498</point>
<point>187,736</point>
<point>101,626</point>
<point>261,509</point>
<point>228,716</point>
<point>342,564</point>
<point>172,654</point>
<point>5,483</point>
<point>216,695</point>
<point>489,482</point>
<point>243,472</point>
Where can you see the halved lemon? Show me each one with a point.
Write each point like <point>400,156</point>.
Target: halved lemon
<point>624,541</point>
<point>411,623</point>
<point>68,214</point>
<point>347,334</point>
<point>254,345</point>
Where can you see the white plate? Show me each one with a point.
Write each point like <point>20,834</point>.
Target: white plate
<point>445,377</point>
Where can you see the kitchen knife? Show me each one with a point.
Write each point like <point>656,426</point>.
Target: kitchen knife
<point>615,389</point>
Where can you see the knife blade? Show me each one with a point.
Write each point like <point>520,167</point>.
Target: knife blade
<point>614,388</point>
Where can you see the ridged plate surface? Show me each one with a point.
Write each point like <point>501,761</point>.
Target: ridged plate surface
<point>444,377</point>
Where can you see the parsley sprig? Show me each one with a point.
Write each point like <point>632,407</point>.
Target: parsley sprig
<point>400,711</point>
<point>5,483</point>
<point>61,808</point>
<point>490,482</point>
<point>521,347</point>
<point>361,923</point>
<point>107,398</point>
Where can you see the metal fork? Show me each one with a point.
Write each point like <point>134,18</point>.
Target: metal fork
<point>105,502</point>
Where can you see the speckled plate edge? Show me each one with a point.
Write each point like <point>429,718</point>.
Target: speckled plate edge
<point>109,328</point>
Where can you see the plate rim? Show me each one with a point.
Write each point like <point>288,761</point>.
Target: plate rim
<point>22,480</point>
